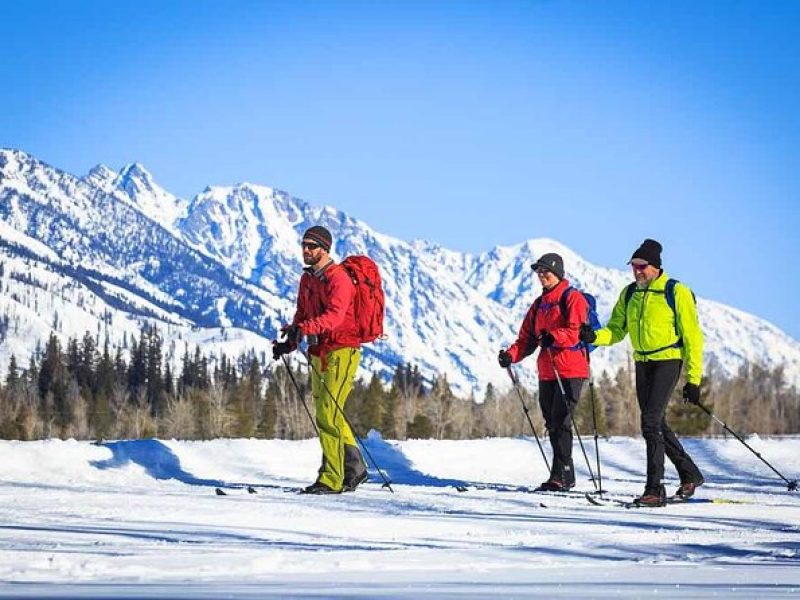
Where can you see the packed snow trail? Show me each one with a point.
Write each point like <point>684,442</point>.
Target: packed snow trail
<point>141,519</point>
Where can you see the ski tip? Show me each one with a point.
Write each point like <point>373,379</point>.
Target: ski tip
<point>219,492</point>
<point>592,499</point>
<point>461,488</point>
<point>251,490</point>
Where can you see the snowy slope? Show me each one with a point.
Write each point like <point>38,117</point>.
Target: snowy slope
<point>229,259</point>
<point>141,519</point>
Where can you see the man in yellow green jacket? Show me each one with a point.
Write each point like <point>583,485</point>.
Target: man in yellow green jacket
<point>660,315</point>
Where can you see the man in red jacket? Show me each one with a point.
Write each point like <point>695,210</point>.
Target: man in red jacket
<point>553,323</point>
<point>325,317</point>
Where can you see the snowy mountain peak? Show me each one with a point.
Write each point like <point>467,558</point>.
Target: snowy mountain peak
<point>15,163</point>
<point>101,176</point>
<point>138,184</point>
<point>137,181</point>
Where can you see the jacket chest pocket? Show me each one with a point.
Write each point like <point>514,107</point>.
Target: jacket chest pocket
<point>656,322</point>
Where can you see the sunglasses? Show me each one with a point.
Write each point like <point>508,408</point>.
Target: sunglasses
<point>310,245</point>
<point>640,267</point>
<point>541,271</point>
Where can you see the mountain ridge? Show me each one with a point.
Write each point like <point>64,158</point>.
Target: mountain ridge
<point>228,259</point>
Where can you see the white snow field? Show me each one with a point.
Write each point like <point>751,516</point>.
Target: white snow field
<point>141,519</point>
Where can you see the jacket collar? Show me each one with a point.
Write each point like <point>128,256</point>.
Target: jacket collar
<point>659,283</point>
<point>319,273</point>
<point>554,294</point>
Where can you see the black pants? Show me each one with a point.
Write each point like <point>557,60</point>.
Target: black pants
<point>558,423</point>
<point>655,381</point>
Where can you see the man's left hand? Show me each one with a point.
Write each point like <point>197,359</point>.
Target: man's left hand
<point>546,339</point>
<point>691,393</point>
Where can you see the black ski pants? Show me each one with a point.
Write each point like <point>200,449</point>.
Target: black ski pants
<point>556,411</point>
<point>655,381</point>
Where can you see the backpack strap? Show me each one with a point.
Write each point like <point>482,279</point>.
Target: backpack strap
<point>669,293</point>
<point>562,305</point>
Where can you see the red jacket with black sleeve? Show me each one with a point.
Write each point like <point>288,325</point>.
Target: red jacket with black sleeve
<point>545,315</point>
<point>325,309</point>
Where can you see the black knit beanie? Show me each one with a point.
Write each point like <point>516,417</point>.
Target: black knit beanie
<point>320,235</point>
<point>552,262</point>
<point>650,250</point>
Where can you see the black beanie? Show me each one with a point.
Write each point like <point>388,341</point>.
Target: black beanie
<point>320,235</point>
<point>552,262</point>
<point>650,250</point>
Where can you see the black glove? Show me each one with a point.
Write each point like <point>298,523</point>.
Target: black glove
<point>546,339</point>
<point>293,333</point>
<point>504,358</point>
<point>280,348</point>
<point>691,393</point>
<point>587,334</point>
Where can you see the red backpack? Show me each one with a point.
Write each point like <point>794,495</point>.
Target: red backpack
<point>369,299</point>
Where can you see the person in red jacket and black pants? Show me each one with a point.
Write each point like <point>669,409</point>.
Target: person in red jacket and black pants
<point>553,324</point>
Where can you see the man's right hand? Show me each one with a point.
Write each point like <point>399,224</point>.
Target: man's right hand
<point>280,348</point>
<point>292,332</point>
<point>504,358</point>
<point>587,334</point>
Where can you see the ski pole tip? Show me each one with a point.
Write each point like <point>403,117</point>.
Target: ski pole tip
<point>793,486</point>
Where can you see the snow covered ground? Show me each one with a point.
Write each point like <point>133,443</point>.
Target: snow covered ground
<point>140,519</point>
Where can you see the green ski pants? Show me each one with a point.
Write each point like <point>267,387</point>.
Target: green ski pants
<point>334,432</point>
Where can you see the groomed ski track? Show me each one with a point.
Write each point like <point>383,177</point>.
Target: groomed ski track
<point>141,519</point>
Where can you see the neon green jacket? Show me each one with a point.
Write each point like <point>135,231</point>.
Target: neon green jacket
<point>655,327</point>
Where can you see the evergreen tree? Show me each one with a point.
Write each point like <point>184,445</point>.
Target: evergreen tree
<point>374,405</point>
<point>100,417</point>
<point>137,368</point>
<point>88,364</point>
<point>120,367</point>
<point>155,382</point>
<point>53,383</point>
<point>389,424</point>
<point>73,357</point>
<point>246,400</point>
<point>169,383</point>
<point>12,379</point>
<point>420,428</point>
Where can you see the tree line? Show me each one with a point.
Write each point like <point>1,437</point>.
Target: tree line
<point>89,391</point>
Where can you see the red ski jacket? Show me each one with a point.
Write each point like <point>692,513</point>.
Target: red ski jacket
<point>547,312</point>
<point>325,309</point>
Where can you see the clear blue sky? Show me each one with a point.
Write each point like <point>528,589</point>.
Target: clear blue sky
<point>465,123</point>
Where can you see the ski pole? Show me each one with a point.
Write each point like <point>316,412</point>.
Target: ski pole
<point>527,415</point>
<point>571,417</point>
<point>300,393</point>
<point>791,485</point>
<point>594,426</point>
<point>386,482</point>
